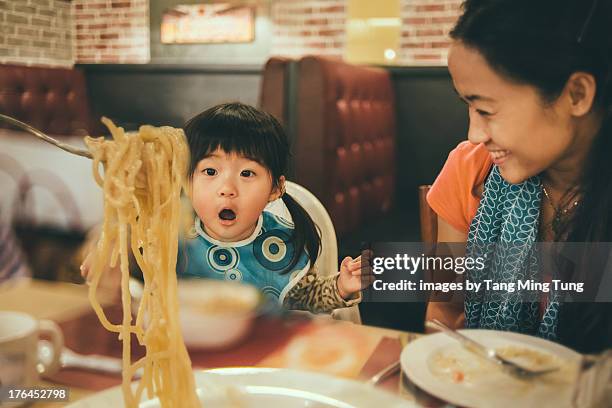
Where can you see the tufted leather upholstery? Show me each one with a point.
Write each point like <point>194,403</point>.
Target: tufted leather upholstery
<point>345,144</point>
<point>273,97</point>
<point>53,100</point>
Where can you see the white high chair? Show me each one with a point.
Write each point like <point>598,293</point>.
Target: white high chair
<point>327,262</point>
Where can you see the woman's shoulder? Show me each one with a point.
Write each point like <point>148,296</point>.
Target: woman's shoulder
<point>454,194</point>
<point>469,155</point>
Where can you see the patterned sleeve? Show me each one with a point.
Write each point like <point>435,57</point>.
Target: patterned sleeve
<point>12,263</point>
<point>317,294</point>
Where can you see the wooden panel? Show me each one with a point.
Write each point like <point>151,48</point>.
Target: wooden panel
<point>429,219</point>
<point>166,94</point>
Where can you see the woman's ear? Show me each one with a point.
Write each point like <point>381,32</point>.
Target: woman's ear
<point>278,191</point>
<point>581,88</point>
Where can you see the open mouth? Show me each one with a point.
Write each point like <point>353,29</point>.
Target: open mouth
<point>227,215</point>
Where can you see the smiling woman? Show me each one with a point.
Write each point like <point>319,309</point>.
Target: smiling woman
<point>537,79</point>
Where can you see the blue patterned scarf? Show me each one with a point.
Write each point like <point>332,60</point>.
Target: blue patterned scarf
<point>504,232</point>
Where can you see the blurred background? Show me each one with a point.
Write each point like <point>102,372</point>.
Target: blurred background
<point>361,87</point>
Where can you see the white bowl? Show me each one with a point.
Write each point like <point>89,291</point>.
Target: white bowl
<point>213,314</point>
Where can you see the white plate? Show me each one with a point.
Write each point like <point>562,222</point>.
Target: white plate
<point>484,384</point>
<point>267,387</point>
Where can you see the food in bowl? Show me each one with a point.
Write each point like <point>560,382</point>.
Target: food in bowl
<point>214,314</point>
<point>217,297</point>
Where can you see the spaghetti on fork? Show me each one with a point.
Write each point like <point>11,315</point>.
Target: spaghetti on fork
<point>143,175</point>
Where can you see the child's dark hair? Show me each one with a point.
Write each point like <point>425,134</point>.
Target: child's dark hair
<point>541,43</point>
<point>245,130</point>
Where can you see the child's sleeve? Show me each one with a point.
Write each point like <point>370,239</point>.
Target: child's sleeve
<point>317,294</point>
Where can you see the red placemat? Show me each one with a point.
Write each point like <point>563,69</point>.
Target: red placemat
<point>85,335</point>
<point>386,352</point>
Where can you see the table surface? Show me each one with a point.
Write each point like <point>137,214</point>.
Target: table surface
<point>272,343</point>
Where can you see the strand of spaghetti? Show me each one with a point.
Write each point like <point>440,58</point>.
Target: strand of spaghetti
<point>97,268</point>
<point>187,380</point>
<point>126,300</point>
<point>115,131</point>
<point>145,380</point>
<point>96,272</point>
<point>144,268</point>
<point>115,253</point>
<point>96,171</point>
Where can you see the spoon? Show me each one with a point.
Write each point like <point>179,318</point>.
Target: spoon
<point>71,359</point>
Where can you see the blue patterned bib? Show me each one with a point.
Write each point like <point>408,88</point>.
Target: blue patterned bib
<point>258,260</point>
<point>504,232</point>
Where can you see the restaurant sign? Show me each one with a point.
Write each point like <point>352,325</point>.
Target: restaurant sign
<point>208,23</point>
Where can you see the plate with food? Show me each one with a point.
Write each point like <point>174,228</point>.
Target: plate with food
<point>251,387</point>
<point>441,366</point>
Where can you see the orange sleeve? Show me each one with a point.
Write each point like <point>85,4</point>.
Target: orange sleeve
<point>452,194</point>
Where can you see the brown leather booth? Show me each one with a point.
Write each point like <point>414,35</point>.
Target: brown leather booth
<point>53,100</point>
<point>343,134</point>
<point>275,88</point>
<point>47,194</point>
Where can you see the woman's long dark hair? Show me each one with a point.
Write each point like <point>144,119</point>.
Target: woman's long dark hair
<point>541,43</point>
<point>245,130</point>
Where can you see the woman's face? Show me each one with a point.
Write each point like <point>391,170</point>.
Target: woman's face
<point>524,135</point>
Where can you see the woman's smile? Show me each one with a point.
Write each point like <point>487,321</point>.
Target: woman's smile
<point>499,156</point>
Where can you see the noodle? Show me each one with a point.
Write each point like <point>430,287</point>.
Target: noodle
<point>143,176</point>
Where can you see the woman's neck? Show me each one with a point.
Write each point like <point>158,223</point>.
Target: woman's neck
<point>564,175</point>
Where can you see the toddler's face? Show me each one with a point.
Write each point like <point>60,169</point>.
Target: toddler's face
<point>228,193</point>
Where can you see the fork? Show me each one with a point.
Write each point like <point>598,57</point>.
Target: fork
<point>508,365</point>
<point>45,137</point>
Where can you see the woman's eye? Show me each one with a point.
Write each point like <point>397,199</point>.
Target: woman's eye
<point>209,171</point>
<point>480,111</point>
<point>247,173</point>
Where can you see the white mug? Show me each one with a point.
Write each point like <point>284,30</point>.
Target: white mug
<point>20,362</point>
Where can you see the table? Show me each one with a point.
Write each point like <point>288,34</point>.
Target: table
<point>273,343</point>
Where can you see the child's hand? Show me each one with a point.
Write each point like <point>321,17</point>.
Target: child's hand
<point>86,266</point>
<point>353,277</point>
<point>111,276</point>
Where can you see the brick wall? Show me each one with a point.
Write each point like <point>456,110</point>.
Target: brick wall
<point>111,31</point>
<point>61,32</point>
<point>308,27</point>
<point>425,28</point>
<point>36,32</point>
